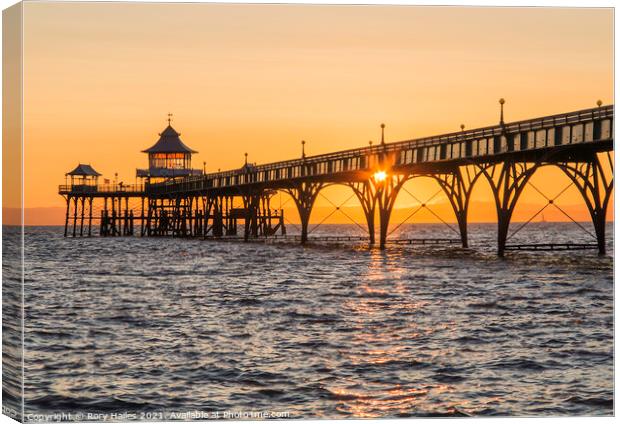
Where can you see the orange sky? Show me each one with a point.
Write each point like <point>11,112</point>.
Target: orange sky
<point>100,78</point>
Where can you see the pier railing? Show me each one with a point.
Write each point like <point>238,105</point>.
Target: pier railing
<point>101,189</point>
<point>584,126</point>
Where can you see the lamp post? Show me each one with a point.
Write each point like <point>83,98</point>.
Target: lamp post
<point>382,134</point>
<point>204,168</point>
<point>303,149</point>
<point>501,114</point>
<point>599,103</point>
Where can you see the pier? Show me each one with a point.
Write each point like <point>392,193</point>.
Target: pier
<point>176,200</point>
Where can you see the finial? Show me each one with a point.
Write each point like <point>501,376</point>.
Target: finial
<point>303,149</point>
<point>501,115</point>
<point>382,134</point>
<point>370,143</point>
<point>462,127</point>
<point>204,167</point>
<point>599,103</point>
<point>246,158</point>
<point>169,118</point>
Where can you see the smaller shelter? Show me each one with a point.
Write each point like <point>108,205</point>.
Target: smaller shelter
<point>83,177</point>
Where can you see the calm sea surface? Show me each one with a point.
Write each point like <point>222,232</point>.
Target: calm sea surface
<point>161,326</point>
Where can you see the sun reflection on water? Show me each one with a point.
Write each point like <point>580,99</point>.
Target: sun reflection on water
<point>384,341</point>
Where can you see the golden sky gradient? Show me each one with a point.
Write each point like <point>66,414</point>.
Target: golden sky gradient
<point>100,78</point>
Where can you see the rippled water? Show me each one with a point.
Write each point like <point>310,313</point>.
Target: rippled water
<point>143,325</point>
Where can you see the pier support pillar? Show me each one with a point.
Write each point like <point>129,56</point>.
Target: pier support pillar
<point>218,217</point>
<point>206,205</point>
<point>457,185</point>
<point>251,203</point>
<point>281,223</point>
<point>67,214</point>
<point>90,216</point>
<point>304,194</point>
<point>367,197</point>
<point>507,181</point>
<point>386,191</point>
<point>75,214</point>
<point>141,216</point>
<point>596,187</point>
<point>82,217</point>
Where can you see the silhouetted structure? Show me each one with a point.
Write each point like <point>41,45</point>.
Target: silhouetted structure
<point>84,181</point>
<point>169,158</point>
<point>505,155</point>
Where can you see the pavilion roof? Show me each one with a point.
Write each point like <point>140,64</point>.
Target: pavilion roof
<point>84,170</point>
<point>169,142</point>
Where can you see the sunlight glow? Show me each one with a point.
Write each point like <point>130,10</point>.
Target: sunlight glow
<point>380,176</point>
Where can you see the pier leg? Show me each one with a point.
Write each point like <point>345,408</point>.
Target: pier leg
<point>113,224</point>
<point>218,224</point>
<point>596,187</point>
<point>503,223</point>
<point>367,197</point>
<point>507,181</point>
<point>184,229</point>
<point>251,204</point>
<point>141,216</point>
<point>458,185</point>
<point>386,193</point>
<point>208,206</point>
<point>268,230</point>
<point>112,231</point>
<point>304,194</point>
<point>75,214</point>
<point>127,220</point>
<point>82,218</point>
<point>104,218</point>
<point>255,212</point>
<point>189,215</point>
<point>176,217</point>
<point>90,216</point>
<point>282,227</point>
<point>233,221</point>
<point>67,214</point>
<point>599,227</point>
<point>149,217</point>
<point>205,216</point>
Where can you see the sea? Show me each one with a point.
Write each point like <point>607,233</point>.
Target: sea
<point>137,328</point>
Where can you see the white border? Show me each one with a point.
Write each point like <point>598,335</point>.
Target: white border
<point>490,3</point>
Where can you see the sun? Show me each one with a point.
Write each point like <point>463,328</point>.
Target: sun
<point>380,176</point>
